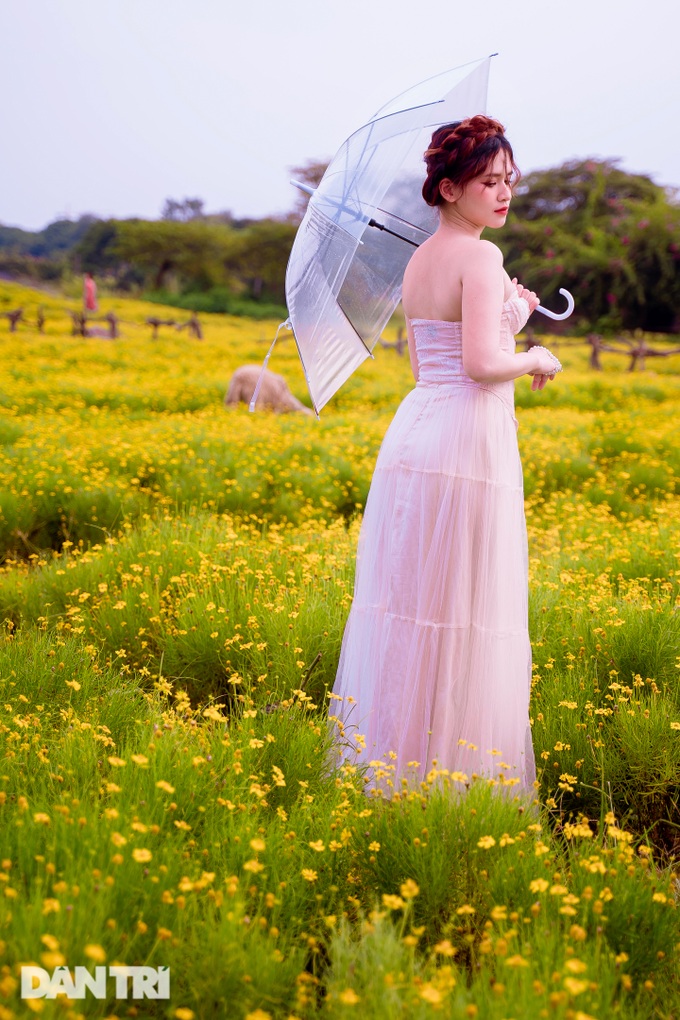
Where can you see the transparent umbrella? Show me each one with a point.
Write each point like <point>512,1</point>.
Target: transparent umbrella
<point>362,223</point>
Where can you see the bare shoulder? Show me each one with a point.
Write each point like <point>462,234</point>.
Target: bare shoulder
<point>420,255</point>
<point>484,253</point>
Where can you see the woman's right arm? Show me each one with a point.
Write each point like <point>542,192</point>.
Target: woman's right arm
<point>483,287</point>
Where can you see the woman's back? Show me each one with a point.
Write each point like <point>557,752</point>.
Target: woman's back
<point>434,278</point>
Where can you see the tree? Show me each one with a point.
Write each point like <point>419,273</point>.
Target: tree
<point>259,257</point>
<point>196,253</point>
<point>55,239</point>
<point>95,252</point>
<point>610,237</point>
<point>187,209</point>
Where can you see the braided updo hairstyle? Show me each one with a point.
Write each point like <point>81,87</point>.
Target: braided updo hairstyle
<point>462,151</point>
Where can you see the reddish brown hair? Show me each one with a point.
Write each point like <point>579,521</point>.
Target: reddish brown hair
<point>462,151</point>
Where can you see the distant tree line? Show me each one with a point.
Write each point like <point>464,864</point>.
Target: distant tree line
<point>612,238</point>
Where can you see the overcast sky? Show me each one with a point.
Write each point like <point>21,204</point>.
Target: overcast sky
<point>111,106</point>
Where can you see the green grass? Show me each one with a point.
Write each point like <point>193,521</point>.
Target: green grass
<point>173,589</point>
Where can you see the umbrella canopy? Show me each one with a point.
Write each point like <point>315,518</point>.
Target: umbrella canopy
<point>362,224</point>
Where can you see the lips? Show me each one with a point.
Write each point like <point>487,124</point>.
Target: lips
<point>503,210</point>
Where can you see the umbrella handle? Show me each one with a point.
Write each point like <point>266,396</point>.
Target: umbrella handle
<point>559,315</point>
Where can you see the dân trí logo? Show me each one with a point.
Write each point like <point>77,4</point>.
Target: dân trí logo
<point>142,982</point>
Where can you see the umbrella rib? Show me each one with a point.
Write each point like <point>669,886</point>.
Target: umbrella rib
<point>400,219</point>
<point>367,348</point>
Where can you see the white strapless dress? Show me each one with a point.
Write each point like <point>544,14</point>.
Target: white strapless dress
<point>436,661</point>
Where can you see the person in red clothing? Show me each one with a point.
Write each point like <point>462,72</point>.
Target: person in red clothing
<point>89,293</point>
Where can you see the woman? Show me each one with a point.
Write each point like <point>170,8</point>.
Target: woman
<point>436,661</point>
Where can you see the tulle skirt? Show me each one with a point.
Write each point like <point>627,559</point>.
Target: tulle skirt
<point>435,668</point>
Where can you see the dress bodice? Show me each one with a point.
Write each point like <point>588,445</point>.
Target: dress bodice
<point>439,350</point>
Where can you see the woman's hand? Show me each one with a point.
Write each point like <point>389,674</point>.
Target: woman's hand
<point>539,381</point>
<point>546,367</point>
<point>532,299</point>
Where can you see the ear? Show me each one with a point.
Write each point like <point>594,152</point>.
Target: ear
<point>449,191</point>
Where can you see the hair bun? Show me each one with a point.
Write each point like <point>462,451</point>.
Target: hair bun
<point>462,151</point>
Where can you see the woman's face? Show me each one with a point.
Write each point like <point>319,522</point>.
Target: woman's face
<point>485,200</point>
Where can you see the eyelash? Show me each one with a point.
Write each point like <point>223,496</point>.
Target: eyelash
<point>492,184</point>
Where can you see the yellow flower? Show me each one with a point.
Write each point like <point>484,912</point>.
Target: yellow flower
<point>49,960</point>
<point>575,986</point>
<point>140,759</point>
<point>431,994</point>
<point>409,889</point>
<point>349,997</point>
<point>141,855</point>
<point>392,902</point>
<point>575,966</point>
<point>309,875</point>
<point>95,952</point>
<point>116,762</point>
<point>466,909</point>
<point>538,885</point>
<point>516,961</point>
<point>41,819</point>
<point>318,846</point>
<point>183,1013</point>
<point>257,845</point>
<point>162,785</point>
<point>486,842</point>
<point>258,1014</point>
<point>214,714</point>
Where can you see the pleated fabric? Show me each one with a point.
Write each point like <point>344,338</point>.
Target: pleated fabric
<point>435,664</point>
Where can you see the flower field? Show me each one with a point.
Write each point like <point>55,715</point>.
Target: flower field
<point>174,580</point>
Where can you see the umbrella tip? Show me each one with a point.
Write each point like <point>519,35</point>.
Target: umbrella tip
<point>303,187</point>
